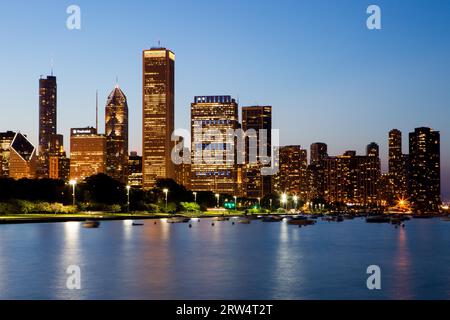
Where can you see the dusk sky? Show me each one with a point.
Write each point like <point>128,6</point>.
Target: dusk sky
<point>326,75</point>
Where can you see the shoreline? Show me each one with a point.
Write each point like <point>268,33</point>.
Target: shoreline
<point>82,217</point>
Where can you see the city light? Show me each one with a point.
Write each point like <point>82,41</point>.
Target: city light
<point>166,192</point>
<point>73,183</point>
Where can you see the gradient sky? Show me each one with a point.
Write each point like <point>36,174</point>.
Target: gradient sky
<point>326,75</point>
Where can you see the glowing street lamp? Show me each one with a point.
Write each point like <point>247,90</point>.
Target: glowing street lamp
<point>295,201</point>
<point>259,202</point>
<point>235,202</point>
<point>218,200</point>
<point>195,196</point>
<point>166,192</point>
<point>73,183</point>
<point>128,198</point>
<point>284,199</point>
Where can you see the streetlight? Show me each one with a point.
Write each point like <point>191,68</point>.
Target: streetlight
<point>128,198</point>
<point>166,192</point>
<point>259,202</point>
<point>195,196</point>
<point>218,200</point>
<point>270,200</point>
<point>235,202</point>
<point>284,199</point>
<point>73,183</point>
<point>295,202</point>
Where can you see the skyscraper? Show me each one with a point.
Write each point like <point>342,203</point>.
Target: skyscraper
<point>256,118</point>
<point>116,131</point>
<point>425,171</point>
<point>158,114</point>
<point>398,180</point>
<point>22,159</point>
<point>319,151</point>
<point>292,174</point>
<point>47,121</point>
<point>6,139</point>
<point>213,119</point>
<point>87,153</point>
<point>316,185</point>
<point>353,179</point>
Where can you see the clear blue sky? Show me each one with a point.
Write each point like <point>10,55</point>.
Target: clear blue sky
<point>327,76</point>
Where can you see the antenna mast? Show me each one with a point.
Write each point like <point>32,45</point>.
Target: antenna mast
<point>96,111</point>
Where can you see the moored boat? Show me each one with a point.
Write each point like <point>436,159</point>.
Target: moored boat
<point>178,220</point>
<point>378,219</point>
<point>271,219</point>
<point>91,224</point>
<point>244,221</point>
<point>301,222</point>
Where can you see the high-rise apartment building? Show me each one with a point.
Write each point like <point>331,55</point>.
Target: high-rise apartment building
<point>116,131</point>
<point>425,170</point>
<point>214,120</point>
<point>292,177</point>
<point>353,179</point>
<point>87,153</point>
<point>319,152</point>
<point>158,114</point>
<point>398,177</point>
<point>257,124</point>
<point>316,185</point>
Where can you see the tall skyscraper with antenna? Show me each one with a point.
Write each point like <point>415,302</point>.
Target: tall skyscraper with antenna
<point>47,121</point>
<point>116,131</point>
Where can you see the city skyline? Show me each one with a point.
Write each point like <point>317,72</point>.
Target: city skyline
<point>413,113</point>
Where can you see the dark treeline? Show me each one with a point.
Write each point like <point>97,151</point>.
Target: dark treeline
<point>100,191</point>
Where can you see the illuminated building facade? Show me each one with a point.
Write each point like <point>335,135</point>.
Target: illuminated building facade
<point>22,158</point>
<point>353,179</point>
<point>59,165</point>
<point>316,185</point>
<point>319,151</point>
<point>398,177</point>
<point>158,114</point>
<point>211,169</point>
<point>87,153</point>
<point>256,118</point>
<point>425,171</point>
<point>116,131</point>
<point>47,121</point>
<point>292,175</point>
<point>134,170</point>
<point>6,139</point>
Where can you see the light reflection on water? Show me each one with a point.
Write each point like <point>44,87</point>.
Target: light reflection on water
<point>225,261</point>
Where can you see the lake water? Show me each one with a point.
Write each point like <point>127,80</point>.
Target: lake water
<point>256,261</point>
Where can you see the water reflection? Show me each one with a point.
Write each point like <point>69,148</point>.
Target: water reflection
<point>403,267</point>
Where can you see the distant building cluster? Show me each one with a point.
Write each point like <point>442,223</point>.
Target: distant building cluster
<point>348,179</point>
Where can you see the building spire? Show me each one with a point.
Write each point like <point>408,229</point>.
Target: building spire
<point>51,65</point>
<point>96,111</point>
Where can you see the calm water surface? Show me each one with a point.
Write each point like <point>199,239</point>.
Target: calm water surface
<point>256,261</point>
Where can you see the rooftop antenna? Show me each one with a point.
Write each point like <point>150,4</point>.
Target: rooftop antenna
<point>51,65</point>
<point>159,43</point>
<point>96,111</point>
<point>117,81</point>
